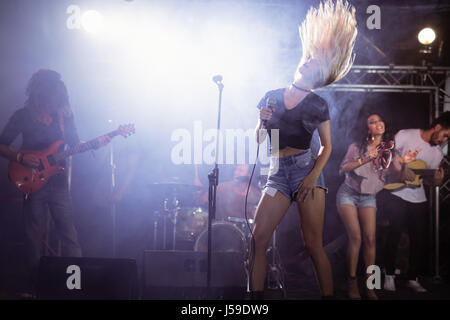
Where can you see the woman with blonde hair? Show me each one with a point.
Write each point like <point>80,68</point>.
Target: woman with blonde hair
<point>327,35</point>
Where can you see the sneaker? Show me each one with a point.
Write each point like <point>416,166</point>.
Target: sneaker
<point>415,285</point>
<point>389,282</point>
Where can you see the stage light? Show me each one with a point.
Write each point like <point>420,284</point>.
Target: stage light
<point>426,36</point>
<point>92,21</point>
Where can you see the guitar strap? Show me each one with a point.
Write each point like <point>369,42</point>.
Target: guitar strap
<point>61,123</point>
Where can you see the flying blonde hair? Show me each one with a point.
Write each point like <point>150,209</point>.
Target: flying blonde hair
<point>328,34</point>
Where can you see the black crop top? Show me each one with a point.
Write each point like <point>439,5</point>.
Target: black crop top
<point>296,125</point>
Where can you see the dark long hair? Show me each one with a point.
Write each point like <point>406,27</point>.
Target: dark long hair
<point>47,93</point>
<point>360,136</point>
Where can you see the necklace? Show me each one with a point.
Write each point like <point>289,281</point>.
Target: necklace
<point>301,89</point>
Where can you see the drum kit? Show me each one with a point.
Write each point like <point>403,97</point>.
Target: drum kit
<point>182,224</point>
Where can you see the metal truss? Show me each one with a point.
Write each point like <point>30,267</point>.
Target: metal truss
<point>398,75</point>
<point>445,187</point>
<point>394,78</point>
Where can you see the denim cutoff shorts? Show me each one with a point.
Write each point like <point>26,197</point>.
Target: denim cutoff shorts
<point>347,195</point>
<point>286,174</point>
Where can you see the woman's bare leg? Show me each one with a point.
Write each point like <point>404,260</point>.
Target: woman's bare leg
<point>312,212</point>
<point>368,218</point>
<point>349,216</point>
<point>269,213</point>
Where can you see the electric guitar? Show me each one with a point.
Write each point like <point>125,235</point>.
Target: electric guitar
<point>29,180</point>
<point>419,167</point>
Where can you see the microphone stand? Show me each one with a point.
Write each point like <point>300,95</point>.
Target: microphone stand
<point>113,208</point>
<point>112,189</point>
<point>213,178</point>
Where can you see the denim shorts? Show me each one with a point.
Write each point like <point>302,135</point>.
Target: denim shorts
<point>286,174</point>
<point>347,195</point>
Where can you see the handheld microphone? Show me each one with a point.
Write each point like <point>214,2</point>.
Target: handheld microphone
<point>271,103</point>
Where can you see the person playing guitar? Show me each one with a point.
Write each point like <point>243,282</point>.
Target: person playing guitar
<point>45,118</point>
<point>408,205</point>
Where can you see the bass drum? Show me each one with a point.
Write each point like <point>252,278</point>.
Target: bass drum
<point>226,237</point>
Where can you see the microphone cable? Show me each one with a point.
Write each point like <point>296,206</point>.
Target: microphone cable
<point>252,248</point>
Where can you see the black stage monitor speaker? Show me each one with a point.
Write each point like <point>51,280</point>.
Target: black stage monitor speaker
<point>69,278</point>
<point>188,269</point>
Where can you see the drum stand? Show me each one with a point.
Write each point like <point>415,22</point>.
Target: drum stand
<point>174,230</point>
<point>275,273</point>
<point>157,218</point>
<point>172,215</point>
<point>156,215</point>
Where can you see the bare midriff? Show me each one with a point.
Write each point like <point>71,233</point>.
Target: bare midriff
<point>289,151</point>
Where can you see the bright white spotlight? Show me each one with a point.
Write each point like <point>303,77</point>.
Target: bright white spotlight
<point>92,21</point>
<point>426,36</point>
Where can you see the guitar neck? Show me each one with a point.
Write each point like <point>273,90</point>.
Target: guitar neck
<point>424,172</point>
<point>83,147</point>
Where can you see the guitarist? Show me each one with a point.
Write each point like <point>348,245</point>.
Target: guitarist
<point>407,207</point>
<point>45,118</point>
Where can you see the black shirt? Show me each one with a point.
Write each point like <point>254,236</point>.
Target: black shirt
<point>35,134</point>
<point>296,125</point>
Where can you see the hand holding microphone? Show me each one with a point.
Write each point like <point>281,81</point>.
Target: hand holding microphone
<point>265,113</point>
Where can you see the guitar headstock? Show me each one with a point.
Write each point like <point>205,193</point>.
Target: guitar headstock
<point>126,130</point>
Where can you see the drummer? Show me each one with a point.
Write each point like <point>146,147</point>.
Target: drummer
<point>231,196</point>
